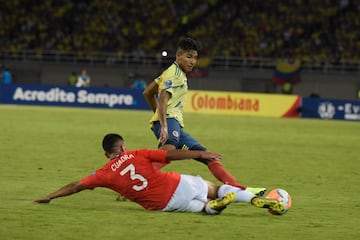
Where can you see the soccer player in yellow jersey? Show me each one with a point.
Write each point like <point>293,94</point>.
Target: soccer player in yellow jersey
<point>166,96</point>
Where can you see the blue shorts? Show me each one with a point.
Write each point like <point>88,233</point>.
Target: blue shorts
<point>177,136</point>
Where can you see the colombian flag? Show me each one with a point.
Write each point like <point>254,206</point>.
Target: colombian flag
<point>286,72</point>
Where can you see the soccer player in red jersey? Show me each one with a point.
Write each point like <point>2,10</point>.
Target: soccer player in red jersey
<point>132,174</point>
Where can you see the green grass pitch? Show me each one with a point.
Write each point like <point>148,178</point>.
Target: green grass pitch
<point>44,148</point>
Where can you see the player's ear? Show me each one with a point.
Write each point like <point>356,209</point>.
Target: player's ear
<point>107,155</point>
<point>123,147</point>
<point>178,54</point>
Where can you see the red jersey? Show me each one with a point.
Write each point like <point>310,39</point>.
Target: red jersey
<point>132,175</point>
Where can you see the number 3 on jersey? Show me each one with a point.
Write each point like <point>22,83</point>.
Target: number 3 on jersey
<point>133,176</point>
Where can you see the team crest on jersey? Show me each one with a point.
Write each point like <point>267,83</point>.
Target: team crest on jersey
<point>168,83</point>
<point>175,133</point>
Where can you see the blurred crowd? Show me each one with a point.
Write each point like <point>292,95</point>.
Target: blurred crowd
<point>316,31</point>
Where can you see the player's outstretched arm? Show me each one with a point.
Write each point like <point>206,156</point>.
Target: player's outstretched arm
<point>178,154</point>
<point>66,190</point>
<point>149,95</point>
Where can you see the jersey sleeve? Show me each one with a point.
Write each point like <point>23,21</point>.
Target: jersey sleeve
<point>157,80</point>
<point>169,80</point>
<point>92,181</point>
<point>155,155</point>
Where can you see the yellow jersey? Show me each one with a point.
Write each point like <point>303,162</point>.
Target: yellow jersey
<point>174,81</point>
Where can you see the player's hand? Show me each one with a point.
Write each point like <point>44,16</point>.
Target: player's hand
<point>211,155</point>
<point>164,135</point>
<point>42,200</point>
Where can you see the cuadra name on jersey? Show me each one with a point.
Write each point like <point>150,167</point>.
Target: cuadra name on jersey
<point>120,161</point>
<point>82,96</point>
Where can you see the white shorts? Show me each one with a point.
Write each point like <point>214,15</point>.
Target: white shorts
<point>189,196</point>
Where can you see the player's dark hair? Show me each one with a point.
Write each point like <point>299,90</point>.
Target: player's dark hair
<point>188,44</point>
<point>110,140</point>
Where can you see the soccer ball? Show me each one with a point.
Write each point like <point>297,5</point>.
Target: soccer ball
<point>282,196</point>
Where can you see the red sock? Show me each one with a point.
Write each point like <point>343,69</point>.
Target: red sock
<point>218,170</point>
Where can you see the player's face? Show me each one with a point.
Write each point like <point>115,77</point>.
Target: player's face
<point>186,60</point>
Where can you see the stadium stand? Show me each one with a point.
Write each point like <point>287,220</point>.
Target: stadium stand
<point>318,32</point>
